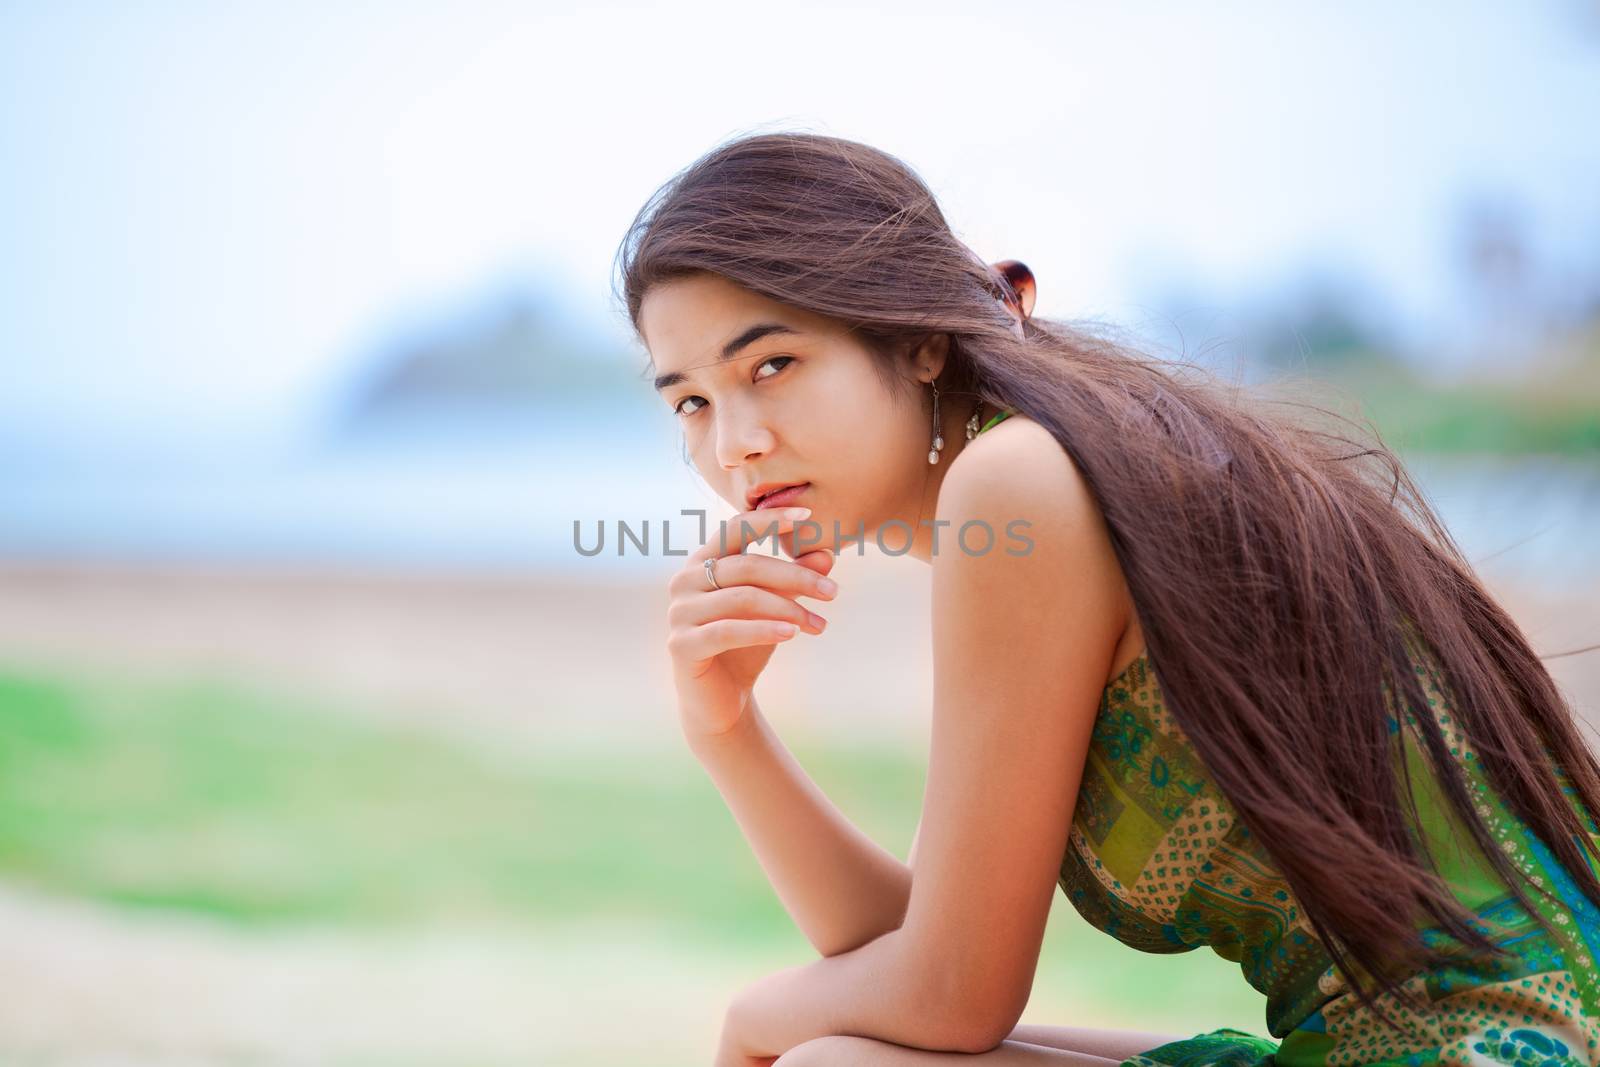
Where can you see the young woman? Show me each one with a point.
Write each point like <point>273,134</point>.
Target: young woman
<point>1220,673</point>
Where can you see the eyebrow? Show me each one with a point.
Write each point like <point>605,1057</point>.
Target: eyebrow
<point>731,349</point>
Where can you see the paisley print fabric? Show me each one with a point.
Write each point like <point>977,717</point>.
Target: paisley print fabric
<point>1158,860</point>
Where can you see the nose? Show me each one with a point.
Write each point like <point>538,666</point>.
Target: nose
<point>742,434</point>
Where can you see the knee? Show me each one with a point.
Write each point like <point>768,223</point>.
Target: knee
<point>835,1050</point>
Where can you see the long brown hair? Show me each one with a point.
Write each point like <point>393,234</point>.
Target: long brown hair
<point>1282,567</point>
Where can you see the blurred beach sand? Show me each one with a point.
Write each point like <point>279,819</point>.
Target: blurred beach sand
<point>556,664</point>
<point>549,659</point>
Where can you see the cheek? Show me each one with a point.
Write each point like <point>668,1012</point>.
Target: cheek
<point>878,460</point>
<point>849,414</point>
<point>697,446</point>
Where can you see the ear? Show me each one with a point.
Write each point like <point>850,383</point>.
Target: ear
<point>928,356</point>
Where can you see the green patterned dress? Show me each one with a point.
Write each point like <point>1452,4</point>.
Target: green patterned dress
<point>1157,859</point>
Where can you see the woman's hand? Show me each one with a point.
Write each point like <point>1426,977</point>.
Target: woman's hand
<point>721,639</point>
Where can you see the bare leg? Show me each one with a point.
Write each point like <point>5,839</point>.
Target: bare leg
<point>840,1051</point>
<point>1028,1045</point>
<point>1116,1045</point>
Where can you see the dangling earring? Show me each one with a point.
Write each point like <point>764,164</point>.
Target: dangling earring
<point>972,423</point>
<point>938,439</point>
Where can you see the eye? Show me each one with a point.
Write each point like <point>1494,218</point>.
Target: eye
<point>678,408</point>
<point>769,360</point>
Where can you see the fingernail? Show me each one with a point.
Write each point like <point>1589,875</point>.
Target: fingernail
<point>799,513</point>
<point>817,620</point>
<point>827,585</point>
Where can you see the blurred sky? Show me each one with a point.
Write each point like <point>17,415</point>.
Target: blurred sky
<point>207,210</point>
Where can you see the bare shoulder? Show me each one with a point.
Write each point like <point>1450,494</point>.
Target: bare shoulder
<point>1050,538</point>
<point>1019,466</point>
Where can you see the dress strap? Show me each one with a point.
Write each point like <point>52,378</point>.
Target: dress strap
<point>995,420</point>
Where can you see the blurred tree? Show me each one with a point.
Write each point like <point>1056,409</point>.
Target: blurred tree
<point>1321,323</point>
<point>1504,319</point>
<point>510,352</point>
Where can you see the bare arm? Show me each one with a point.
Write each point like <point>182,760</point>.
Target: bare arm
<point>841,888</point>
<point>1023,643</point>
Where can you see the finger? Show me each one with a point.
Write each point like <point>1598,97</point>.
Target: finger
<point>787,576</point>
<point>701,643</point>
<point>820,560</point>
<point>734,535</point>
<point>743,602</point>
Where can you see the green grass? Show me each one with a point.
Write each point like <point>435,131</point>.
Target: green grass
<point>1555,412</point>
<point>269,812</point>
<point>206,797</point>
<point>1481,420</point>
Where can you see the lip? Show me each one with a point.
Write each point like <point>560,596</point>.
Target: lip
<point>774,495</point>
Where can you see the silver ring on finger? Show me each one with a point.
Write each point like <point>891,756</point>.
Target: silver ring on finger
<point>711,571</point>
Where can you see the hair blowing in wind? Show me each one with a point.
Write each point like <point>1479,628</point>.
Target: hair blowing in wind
<point>1284,567</point>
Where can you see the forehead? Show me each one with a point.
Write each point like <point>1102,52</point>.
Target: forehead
<point>686,321</point>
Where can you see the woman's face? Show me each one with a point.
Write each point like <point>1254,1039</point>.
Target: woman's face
<point>767,394</point>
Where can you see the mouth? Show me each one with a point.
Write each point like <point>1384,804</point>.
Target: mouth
<point>777,497</point>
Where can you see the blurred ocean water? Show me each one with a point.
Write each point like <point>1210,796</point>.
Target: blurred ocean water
<point>465,491</point>
<point>475,491</point>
